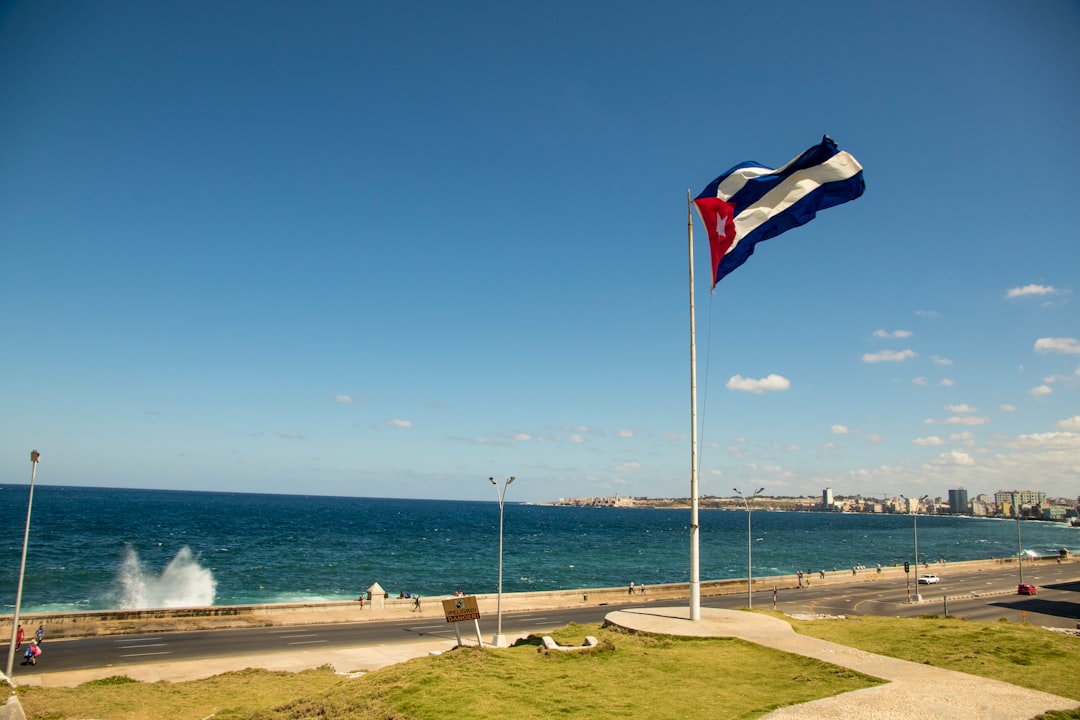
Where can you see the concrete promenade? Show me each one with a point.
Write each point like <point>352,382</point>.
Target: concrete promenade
<point>119,622</point>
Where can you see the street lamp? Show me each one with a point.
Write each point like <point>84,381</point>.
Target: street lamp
<point>915,520</point>
<point>749,551</point>
<point>500,639</point>
<point>1019,545</point>
<point>35,456</point>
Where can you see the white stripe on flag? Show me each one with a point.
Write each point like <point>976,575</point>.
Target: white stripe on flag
<point>840,166</point>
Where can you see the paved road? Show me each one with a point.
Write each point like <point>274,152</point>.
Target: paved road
<point>984,595</point>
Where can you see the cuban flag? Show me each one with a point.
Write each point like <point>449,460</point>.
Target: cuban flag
<point>750,202</point>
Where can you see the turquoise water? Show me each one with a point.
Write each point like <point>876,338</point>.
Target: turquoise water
<point>100,548</point>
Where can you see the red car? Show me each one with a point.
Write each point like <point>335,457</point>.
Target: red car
<point>1025,589</point>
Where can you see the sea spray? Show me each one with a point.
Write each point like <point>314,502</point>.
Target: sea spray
<point>183,583</point>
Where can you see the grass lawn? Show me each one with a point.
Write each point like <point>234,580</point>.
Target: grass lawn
<point>627,674</point>
<point>641,676</point>
<point>1020,654</point>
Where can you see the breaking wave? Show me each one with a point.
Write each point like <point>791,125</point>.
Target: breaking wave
<point>183,583</point>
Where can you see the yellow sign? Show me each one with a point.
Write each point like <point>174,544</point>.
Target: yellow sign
<point>460,609</point>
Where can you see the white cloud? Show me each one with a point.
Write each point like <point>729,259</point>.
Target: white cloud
<point>947,382</point>
<point>889,356</point>
<point>399,423</point>
<point>767,384</point>
<point>291,436</point>
<point>522,436</point>
<point>929,314</point>
<point>1031,290</point>
<point>893,334</point>
<point>938,360</point>
<point>1007,408</point>
<point>577,438</point>
<point>875,439</point>
<point>343,399</point>
<point>1041,391</point>
<point>920,381</point>
<point>631,466</point>
<point>626,433</point>
<point>1067,346</point>
<point>955,457</point>
<point>964,437</point>
<point>1072,423</point>
<point>839,430</point>
<point>958,420</point>
<point>1051,440</point>
<point>963,408</point>
<point>928,441</point>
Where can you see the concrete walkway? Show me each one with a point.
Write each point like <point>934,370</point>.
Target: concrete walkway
<point>913,691</point>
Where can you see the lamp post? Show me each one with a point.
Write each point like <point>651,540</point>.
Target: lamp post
<point>35,456</point>
<point>1019,546</point>
<point>500,639</point>
<point>749,551</point>
<point>915,521</point>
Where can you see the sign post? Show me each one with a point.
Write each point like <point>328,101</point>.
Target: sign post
<point>461,609</point>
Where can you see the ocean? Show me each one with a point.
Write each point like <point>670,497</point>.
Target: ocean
<point>104,548</point>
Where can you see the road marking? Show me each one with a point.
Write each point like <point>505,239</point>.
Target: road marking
<point>306,642</point>
<point>298,635</point>
<point>132,640</point>
<point>428,627</point>
<point>145,654</point>
<point>146,645</point>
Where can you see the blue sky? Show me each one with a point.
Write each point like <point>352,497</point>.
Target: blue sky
<point>379,249</point>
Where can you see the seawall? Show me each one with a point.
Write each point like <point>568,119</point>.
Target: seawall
<point>121,622</point>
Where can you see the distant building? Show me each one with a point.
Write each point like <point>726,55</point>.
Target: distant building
<point>1012,502</point>
<point>826,499</point>
<point>958,501</point>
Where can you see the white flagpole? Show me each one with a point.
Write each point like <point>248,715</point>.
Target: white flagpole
<point>34,457</point>
<point>695,563</point>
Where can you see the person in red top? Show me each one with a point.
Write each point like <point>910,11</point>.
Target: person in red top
<point>18,638</point>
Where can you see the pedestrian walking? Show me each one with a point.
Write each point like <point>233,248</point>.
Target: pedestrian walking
<point>39,634</point>
<point>630,590</point>
<point>19,637</point>
<point>416,604</point>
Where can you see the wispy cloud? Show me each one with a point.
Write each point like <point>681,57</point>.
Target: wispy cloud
<point>772,383</point>
<point>291,435</point>
<point>1041,391</point>
<point>928,441</point>
<point>396,422</point>
<point>347,399</point>
<point>839,430</point>
<point>957,420</point>
<point>889,356</point>
<point>894,334</point>
<point>1029,290</point>
<point>938,360</point>
<point>929,314</point>
<point>962,408</point>
<point>1066,346</point>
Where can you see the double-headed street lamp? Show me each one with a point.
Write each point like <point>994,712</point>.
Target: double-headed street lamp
<point>35,456</point>
<point>749,551</point>
<point>500,639</point>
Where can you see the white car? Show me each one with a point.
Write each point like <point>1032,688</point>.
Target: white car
<point>929,579</point>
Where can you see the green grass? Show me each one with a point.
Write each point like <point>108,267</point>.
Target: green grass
<point>641,675</point>
<point>1020,654</point>
<point>657,677</point>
